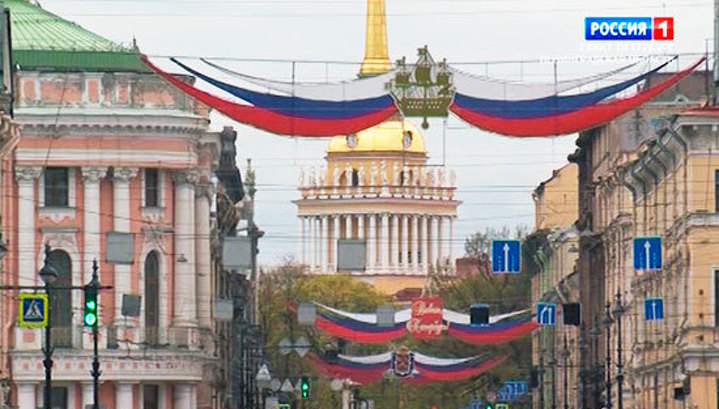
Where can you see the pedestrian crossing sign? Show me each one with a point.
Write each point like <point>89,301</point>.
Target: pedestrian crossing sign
<point>32,310</point>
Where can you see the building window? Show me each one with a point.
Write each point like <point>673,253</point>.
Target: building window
<point>58,398</point>
<point>152,187</point>
<point>56,187</point>
<point>61,300</point>
<point>355,178</point>
<point>150,397</point>
<point>152,297</point>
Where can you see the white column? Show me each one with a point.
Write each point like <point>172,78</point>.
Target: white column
<point>26,394</point>
<point>183,396</point>
<point>335,237</point>
<point>203,264</point>
<point>162,397</point>
<point>301,244</point>
<point>404,242</point>
<point>91,177</point>
<point>185,314</point>
<point>360,226</point>
<point>323,244</point>
<point>372,242</point>
<point>438,239</point>
<point>425,243</point>
<point>312,259</point>
<point>123,395</point>
<point>26,176</point>
<point>121,223</point>
<point>451,236</point>
<point>348,226</point>
<point>384,242</point>
<point>415,243</point>
<point>394,256</point>
<point>87,398</point>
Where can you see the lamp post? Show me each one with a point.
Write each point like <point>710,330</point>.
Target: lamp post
<point>264,380</point>
<point>607,354</point>
<point>618,311</point>
<point>94,285</point>
<point>565,356</point>
<point>48,274</point>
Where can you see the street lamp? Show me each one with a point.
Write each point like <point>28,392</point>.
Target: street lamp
<point>48,274</point>
<point>618,311</point>
<point>264,382</point>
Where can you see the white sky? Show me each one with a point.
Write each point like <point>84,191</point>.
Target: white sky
<point>496,175</point>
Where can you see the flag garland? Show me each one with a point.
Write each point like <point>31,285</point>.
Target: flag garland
<point>420,368</point>
<point>281,122</point>
<point>329,109</point>
<point>364,332</point>
<point>579,118</point>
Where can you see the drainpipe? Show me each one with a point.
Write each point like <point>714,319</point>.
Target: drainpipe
<point>633,171</point>
<point>685,145</point>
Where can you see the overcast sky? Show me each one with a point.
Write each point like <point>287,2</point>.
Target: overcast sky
<point>496,174</point>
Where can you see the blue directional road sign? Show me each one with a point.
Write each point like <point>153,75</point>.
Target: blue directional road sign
<point>475,404</point>
<point>653,309</point>
<point>506,256</point>
<point>647,253</point>
<point>510,390</point>
<point>546,313</point>
<point>32,310</point>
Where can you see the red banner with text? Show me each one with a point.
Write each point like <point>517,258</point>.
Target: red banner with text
<point>426,320</point>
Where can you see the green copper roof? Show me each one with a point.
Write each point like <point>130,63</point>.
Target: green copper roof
<point>41,39</point>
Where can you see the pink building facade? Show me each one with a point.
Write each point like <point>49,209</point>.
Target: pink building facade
<point>105,148</point>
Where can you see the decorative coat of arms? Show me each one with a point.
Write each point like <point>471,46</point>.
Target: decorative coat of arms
<point>402,362</point>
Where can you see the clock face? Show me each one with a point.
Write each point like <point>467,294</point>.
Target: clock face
<point>352,140</point>
<point>407,139</point>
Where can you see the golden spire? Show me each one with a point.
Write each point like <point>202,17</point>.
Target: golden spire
<point>376,61</point>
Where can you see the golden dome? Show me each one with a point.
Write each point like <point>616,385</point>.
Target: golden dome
<point>388,136</point>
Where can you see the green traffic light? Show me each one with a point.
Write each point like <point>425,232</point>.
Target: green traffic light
<point>305,387</point>
<point>90,320</point>
<point>89,316</point>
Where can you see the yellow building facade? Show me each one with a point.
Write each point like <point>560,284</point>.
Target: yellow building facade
<point>555,350</point>
<point>652,172</point>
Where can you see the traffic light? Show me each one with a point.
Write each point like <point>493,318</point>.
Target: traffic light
<point>305,387</point>
<point>488,405</point>
<point>89,316</point>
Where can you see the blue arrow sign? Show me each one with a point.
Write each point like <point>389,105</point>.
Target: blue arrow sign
<point>506,256</point>
<point>546,313</point>
<point>648,253</point>
<point>653,309</point>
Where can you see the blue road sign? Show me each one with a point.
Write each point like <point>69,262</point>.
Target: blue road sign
<point>653,309</point>
<point>648,253</point>
<point>510,390</point>
<point>475,404</point>
<point>506,256</point>
<point>32,310</point>
<point>546,313</point>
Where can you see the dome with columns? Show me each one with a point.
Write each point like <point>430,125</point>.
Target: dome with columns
<point>378,191</point>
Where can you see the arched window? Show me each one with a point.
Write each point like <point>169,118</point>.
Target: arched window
<point>61,300</point>
<point>355,178</point>
<point>152,297</point>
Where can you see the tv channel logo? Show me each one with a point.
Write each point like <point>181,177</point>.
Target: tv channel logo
<point>629,28</point>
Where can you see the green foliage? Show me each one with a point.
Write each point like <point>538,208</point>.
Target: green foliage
<point>502,293</point>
